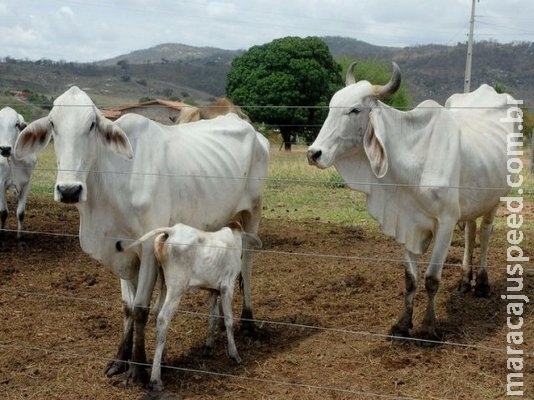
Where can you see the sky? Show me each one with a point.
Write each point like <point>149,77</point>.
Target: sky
<point>94,30</point>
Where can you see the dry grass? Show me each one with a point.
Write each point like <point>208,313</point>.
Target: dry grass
<point>327,295</point>
<point>327,286</point>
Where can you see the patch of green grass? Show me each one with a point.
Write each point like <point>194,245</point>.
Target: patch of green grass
<point>298,191</point>
<point>44,175</point>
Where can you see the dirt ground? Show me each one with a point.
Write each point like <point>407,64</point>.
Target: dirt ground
<point>325,297</point>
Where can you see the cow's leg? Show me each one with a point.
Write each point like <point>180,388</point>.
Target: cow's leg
<point>467,265</point>
<point>482,288</point>
<point>3,211</point>
<point>251,225</point>
<point>124,353</point>
<point>404,324</point>
<point>226,302</point>
<point>162,293</point>
<point>145,285</point>
<point>212,322</point>
<point>172,300</point>
<point>21,207</point>
<point>247,318</point>
<point>160,300</point>
<point>442,242</point>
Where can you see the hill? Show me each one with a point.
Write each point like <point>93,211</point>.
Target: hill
<point>173,52</point>
<point>198,74</point>
<point>435,71</point>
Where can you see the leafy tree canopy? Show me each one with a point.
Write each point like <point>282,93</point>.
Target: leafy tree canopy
<point>285,83</point>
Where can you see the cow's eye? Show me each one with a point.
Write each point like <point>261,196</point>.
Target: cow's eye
<point>355,111</point>
<point>93,124</point>
<point>52,124</point>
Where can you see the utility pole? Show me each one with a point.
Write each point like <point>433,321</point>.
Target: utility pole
<point>467,82</point>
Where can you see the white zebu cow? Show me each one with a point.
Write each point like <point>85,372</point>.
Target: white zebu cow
<point>422,171</point>
<point>190,259</point>
<point>14,174</point>
<point>203,174</point>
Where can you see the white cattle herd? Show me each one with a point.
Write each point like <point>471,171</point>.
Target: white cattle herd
<point>174,190</point>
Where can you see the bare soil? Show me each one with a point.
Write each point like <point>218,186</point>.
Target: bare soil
<point>325,297</point>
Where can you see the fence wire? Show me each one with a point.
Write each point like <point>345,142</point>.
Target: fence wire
<point>263,322</point>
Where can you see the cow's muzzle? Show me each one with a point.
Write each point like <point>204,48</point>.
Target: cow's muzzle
<point>5,151</point>
<point>313,156</point>
<point>69,193</point>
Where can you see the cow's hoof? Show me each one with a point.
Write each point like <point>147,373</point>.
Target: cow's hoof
<point>208,351</point>
<point>482,290</point>
<point>398,334</point>
<point>116,368</point>
<point>136,376</point>
<point>155,386</point>
<point>236,358</point>
<point>464,287</point>
<point>248,328</point>
<point>428,338</point>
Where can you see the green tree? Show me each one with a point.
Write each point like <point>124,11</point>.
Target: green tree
<point>123,64</point>
<point>286,83</point>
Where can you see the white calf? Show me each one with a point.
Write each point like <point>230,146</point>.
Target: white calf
<point>191,259</point>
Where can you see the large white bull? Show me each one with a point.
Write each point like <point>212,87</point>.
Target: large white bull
<point>14,174</point>
<point>129,177</point>
<point>422,171</point>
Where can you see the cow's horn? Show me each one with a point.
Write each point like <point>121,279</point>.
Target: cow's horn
<point>349,79</point>
<point>393,85</point>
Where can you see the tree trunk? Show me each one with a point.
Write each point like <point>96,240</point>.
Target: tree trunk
<point>286,137</point>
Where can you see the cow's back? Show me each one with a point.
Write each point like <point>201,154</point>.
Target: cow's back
<point>200,174</point>
<point>483,137</point>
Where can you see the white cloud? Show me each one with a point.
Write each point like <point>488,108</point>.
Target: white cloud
<point>66,12</point>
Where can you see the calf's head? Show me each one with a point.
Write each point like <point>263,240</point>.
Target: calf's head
<point>11,124</point>
<point>348,128</point>
<point>80,133</point>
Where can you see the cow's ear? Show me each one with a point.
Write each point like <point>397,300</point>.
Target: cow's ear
<point>374,148</point>
<point>114,137</point>
<point>21,124</point>
<point>33,138</point>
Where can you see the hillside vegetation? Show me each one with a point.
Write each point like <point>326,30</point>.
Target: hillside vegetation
<point>198,74</point>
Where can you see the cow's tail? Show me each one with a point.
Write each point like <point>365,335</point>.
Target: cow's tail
<point>143,238</point>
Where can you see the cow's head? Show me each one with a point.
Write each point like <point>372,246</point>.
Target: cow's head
<point>349,128</point>
<point>11,124</point>
<point>80,132</point>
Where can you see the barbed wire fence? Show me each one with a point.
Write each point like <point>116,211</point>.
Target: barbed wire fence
<point>37,293</point>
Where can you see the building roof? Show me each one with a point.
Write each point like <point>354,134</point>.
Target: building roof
<point>114,113</point>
